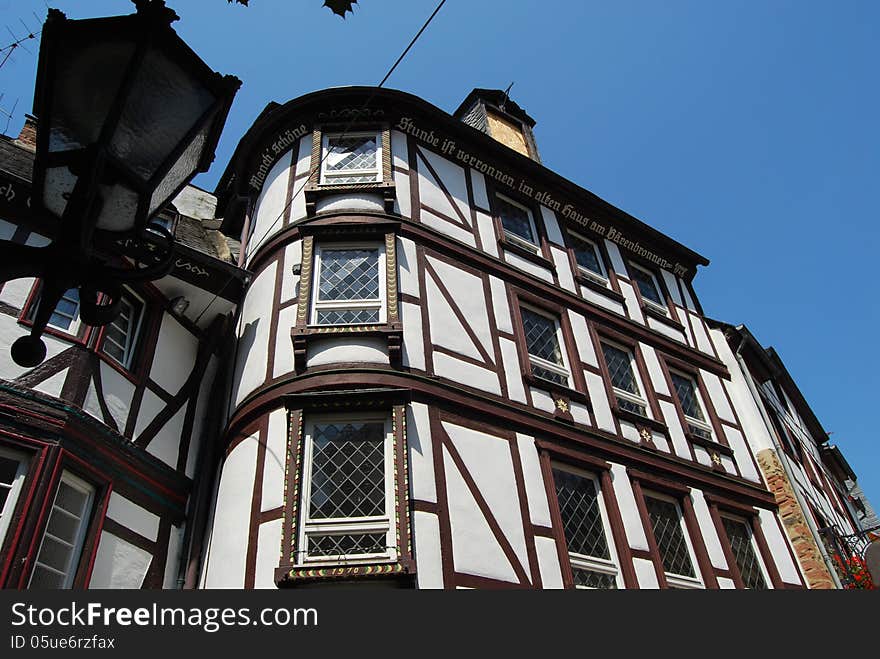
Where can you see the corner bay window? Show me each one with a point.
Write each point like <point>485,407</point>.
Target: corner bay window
<point>58,558</point>
<point>669,532</point>
<point>348,498</point>
<point>349,285</point>
<point>351,158</point>
<point>584,523</point>
<point>689,398</point>
<point>546,357</point>
<point>517,223</point>
<point>622,370</point>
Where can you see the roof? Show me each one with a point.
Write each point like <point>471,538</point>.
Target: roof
<point>497,98</point>
<point>15,159</point>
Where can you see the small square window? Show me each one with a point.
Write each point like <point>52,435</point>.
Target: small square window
<point>543,341</point>
<point>121,335</point>
<point>670,534</point>
<point>60,550</point>
<point>517,222</point>
<point>588,258</point>
<point>584,523</point>
<point>649,287</point>
<point>688,395</point>
<point>742,546</point>
<point>351,158</point>
<point>622,369</point>
<point>348,495</point>
<point>349,285</point>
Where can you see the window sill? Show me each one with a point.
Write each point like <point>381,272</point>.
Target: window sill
<point>527,254</point>
<point>710,444</point>
<point>292,576</point>
<point>655,313</point>
<point>391,332</point>
<point>554,388</point>
<point>639,420</point>
<point>599,288</point>
<point>315,192</point>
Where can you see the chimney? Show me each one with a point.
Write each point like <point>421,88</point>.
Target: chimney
<point>493,112</point>
<point>27,138</point>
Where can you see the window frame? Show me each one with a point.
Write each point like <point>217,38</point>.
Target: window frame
<point>131,349</point>
<point>753,543</point>
<point>612,566</point>
<point>338,526</point>
<point>562,370</point>
<point>644,400</point>
<point>381,304</point>
<point>85,522</point>
<point>534,248</point>
<point>704,424</point>
<point>674,580</point>
<point>601,278</point>
<point>661,307</point>
<point>326,178</point>
<point>76,325</point>
<point>15,488</point>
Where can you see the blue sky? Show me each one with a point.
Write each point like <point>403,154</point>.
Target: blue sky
<point>746,130</point>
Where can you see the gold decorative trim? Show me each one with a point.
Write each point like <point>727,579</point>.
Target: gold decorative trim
<point>391,277</point>
<point>305,280</point>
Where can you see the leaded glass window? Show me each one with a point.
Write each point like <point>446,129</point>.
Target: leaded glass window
<point>349,286</point>
<point>347,497</point>
<point>545,350</point>
<point>120,336</point>
<point>586,254</point>
<point>517,222</point>
<point>688,397</point>
<point>666,524</point>
<point>56,562</point>
<point>13,468</point>
<point>583,524</point>
<point>648,286</point>
<point>740,536</point>
<point>352,158</point>
<point>623,379</point>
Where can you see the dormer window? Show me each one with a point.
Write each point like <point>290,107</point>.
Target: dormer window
<point>351,158</point>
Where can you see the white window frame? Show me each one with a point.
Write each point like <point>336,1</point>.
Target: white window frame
<point>672,579</point>
<point>592,563</point>
<point>698,396</point>
<point>328,176</point>
<point>14,488</point>
<point>75,320</point>
<point>662,308</point>
<point>342,526</point>
<point>600,278</point>
<point>131,338</point>
<point>565,369</point>
<point>512,237</point>
<point>757,551</point>
<point>379,303</point>
<point>634,369</point>
<point>70,570</point>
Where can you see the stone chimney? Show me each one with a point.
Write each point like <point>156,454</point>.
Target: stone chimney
<point>493,112</point>
<point>27,138</point>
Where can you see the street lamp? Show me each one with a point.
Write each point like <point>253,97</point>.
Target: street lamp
<point>126,114</point>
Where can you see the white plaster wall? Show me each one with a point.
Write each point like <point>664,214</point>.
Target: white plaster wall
<point>452,177</point>
<point>399,150</point>
<point>510,367</point>
<point>548,563</point>
<point>683,318</point>
<point>527,266</point>
<point>7,229</point>
<point>53,385</point>
<point>586,351</point>
<point>151,405</point>
<point>629,431</point>
<point>350,201</point>
<point>672,286</point>
<point>778,547</point>
<point>658,380</point>
<point>268,553</point>
<point>275,460</point>
<point>426,540</point>
<point>478,186</point>
<point>413,340</point>
<point>118,393</point>
<point>407,267</point>
<point>646,574</point>
<point>10,331</point>
<point>688,301</point>
<point>726,584</point>
<point>676,434</point>
<point>542,400</point>
<point>466,373</point>
<point>446,329</point>
<point>283,343</point>
<point>177,347</point>
<point>563,269</point>
<point>666,330</point>
<point>536,494</point>
<point>599,399</point>
<point>486,228</point>
<point>250,371</point>
<point>172,561</point>
<point>629,513</point>
<point>551,224</point>
<point>119,564</point>
<point>617,263</point>
<point>707,528</point>
<point>166,444</point>
<point>270,204</point>
<point>421,454</point>
<point>580,413</point>
<point>336,351</point>
<point>700,335</point>
<point>303,165</point>
<point>600,300</point>
<point>227,558</point>
<point>444,226</point>
<point>501,305</point>
<point>290,281</point>
<point>16,291</point>
<point>633,309</point>
<point>132,516</point>
<point>403,195</point>
<point>200,416</point>
<point>716,393</point>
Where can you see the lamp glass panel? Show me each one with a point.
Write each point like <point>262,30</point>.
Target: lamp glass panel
<point>87,78</point>
<point>163,104</point>
<point>183,169</point>
<point>58,186</point>
<point>119,208</point>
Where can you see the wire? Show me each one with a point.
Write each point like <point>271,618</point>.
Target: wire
<point>320,163</point>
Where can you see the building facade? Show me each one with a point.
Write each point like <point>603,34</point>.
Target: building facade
<point>425,360</point>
